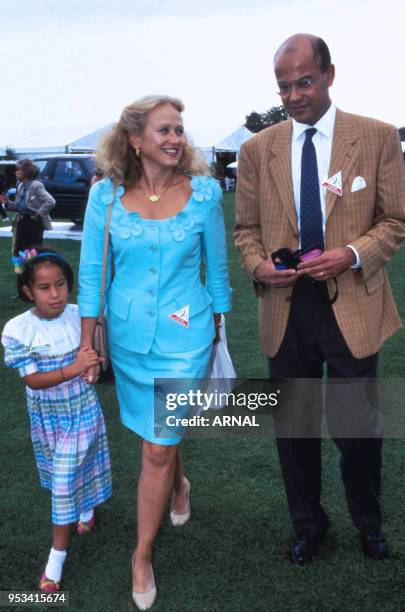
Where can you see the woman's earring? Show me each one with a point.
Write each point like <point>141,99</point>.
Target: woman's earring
<point>138,152</point>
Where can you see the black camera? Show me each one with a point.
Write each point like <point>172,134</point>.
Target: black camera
<point>285,259</point>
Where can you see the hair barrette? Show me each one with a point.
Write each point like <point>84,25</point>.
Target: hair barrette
<point>22,258</point>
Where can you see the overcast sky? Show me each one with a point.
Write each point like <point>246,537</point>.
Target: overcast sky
<point>79,62</point>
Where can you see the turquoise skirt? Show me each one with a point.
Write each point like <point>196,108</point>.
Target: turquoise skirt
<point>141,409</point>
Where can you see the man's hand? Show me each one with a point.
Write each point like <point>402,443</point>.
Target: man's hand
<point>267,274</point>
<point>328,265</point>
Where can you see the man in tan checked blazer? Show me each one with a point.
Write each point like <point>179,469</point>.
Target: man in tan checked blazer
<point>361,223</point>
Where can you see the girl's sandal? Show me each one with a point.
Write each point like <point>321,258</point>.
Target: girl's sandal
<point>46,585</point>
<point>85,528</point>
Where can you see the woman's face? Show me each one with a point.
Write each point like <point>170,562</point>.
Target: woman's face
<point>162,142</point>
<point>19,173</point>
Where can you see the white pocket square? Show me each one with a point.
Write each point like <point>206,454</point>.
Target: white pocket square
<point>358,183</point>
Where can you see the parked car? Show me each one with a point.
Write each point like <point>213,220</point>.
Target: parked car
<point>7,180</point>
<point>7,174</point>
<point>67,179</point>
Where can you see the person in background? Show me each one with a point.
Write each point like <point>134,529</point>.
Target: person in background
<point>32,205</point>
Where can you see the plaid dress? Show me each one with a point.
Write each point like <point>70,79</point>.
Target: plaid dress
<point>67,425</point>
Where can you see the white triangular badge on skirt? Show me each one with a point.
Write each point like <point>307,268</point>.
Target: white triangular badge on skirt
<point>181,316</point>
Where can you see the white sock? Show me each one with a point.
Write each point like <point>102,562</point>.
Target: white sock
<point>55,563</point>
<point>85,517</point>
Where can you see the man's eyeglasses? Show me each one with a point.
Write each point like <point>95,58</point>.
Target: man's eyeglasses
<point>302,86</point>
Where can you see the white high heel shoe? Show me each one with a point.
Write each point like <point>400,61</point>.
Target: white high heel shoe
<point>181,519</point>
<point>143,601</point>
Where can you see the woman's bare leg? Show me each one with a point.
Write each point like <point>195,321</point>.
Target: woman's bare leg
<point>180,505</point>
<point>154,488</point>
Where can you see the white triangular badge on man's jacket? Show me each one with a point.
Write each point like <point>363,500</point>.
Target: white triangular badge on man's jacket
<point>334,183</point>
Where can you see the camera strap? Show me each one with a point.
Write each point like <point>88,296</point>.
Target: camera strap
<point>322,290</point>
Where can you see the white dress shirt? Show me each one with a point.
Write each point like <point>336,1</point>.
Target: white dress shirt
<point>322,140</point>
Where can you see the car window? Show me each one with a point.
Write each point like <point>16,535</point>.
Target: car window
<point>90,165</point>
<point>68,171</point>
<point>41,163</point>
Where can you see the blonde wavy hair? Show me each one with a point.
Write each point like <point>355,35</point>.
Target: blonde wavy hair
<point>116,156</point>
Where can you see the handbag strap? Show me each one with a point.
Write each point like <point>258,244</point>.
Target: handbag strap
<point>105,256</point>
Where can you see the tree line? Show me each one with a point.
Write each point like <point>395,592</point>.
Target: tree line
<point>255,122</point>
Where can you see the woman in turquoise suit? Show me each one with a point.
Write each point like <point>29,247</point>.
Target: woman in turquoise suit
<point>162,319</point>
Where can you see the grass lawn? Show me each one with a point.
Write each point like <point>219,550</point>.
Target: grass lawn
<point>232,555</point>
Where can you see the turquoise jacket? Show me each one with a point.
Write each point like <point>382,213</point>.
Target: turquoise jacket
<point>157,270</point>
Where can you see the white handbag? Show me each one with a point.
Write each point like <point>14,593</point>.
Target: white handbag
<point>220,376</point>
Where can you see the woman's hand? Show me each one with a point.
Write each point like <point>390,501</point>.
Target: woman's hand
<point>92,374</point>
<point>88,325</point>
<point>218,325</point>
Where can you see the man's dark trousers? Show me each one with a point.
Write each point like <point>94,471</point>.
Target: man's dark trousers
<point>313,338</point>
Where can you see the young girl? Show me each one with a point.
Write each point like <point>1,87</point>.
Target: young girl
<point>67,424</point>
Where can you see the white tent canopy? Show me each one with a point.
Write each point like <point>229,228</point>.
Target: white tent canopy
<point>233,142</point>
<point>210,143</point>
<point>89,142</point>
<point>79,139</point>
<point>53,140</point>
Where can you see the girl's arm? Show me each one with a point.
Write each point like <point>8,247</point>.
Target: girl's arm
<point>43,380</point>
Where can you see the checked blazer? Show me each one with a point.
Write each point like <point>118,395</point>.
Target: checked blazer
<point>371,219</point>
<point>37,200</point>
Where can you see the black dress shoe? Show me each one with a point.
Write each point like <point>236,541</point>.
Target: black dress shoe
<point>305,545</point>
<point>374,545</point>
